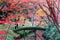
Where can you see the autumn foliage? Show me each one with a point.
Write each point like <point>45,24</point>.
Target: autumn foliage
<point>29,13</point>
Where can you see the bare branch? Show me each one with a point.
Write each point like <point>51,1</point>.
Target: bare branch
<point>48,16</point>
<point>52,11</point>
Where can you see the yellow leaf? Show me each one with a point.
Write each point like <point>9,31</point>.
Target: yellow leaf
<point>22,18</point>
<point>27,23</point>
<point>40,13</point>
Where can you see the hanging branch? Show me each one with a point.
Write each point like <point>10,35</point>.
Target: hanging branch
<point>54,3</point>
<point>54,17</point>
<point>48,16</point>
